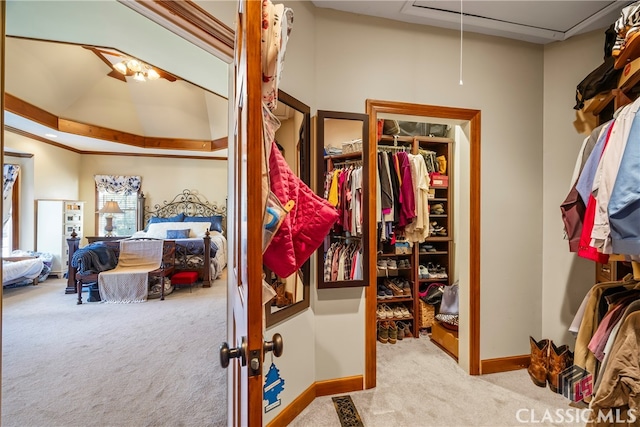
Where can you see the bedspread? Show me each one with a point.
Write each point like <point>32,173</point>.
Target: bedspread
<point>94,258</point>
<point>23,270</point>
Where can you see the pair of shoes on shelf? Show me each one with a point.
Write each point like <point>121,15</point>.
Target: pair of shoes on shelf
<point>435,229</point>
<point>404,329</point>
<point>381,268</point>
<point>397,291</point>
<point>439,272</point>
<point>388,332</point>
<point>383,332</point>
<point>383,311</point>
<point>437,209</point>
<point>384,292</point>
<point>404,263</point>
<point>423,273</point>
<point>427,248</point>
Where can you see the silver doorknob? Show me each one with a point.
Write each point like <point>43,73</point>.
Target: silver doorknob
<point>240,352</point>
<point>276,345</point>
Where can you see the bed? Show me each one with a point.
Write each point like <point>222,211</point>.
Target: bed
<point>191,211</point>
<point>25,267</point>
<point>193,223</point>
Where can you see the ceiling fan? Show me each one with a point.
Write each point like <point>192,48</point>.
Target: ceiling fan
<point>123,66</point>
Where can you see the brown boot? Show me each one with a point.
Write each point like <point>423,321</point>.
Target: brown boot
<point>539,365</point>
<point>393,332</point>
<point>560,358</point>
<point>281,297</point>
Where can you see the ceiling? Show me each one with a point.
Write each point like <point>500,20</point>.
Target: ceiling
<point>76,83</point>
<point>72,82</point>
<point>540,21</point>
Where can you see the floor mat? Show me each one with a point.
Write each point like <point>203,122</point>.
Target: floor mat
<point>347,411</point>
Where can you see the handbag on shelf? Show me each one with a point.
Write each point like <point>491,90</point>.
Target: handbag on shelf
<point>450,300</point>
<point>433,294</point>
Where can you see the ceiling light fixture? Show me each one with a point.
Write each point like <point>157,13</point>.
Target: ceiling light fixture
<point>140,71</point>
<point>50,135</point>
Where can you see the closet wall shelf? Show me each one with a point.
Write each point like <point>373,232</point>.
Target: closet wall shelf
<point>439,239</point>
<point>345,156</point>
<point>437,215</point>
<point>434,253</point>
<point>393,255</point>
<point>419,138</point>
<point>438,199</point>
<point>408,298</point>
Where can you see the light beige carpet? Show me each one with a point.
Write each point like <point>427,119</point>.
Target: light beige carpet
<point>420,386</point>
<point>149,364</point>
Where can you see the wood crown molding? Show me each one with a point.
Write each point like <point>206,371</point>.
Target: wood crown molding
<point>38,115</point>
<point>96,153</point>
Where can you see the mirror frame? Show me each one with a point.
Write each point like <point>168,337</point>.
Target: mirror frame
<point>305,176</point>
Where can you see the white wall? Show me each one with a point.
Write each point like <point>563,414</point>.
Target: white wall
<point>52,173</point>
<point>162,179</point>
<point>360,57</point>
<point>566,277</point>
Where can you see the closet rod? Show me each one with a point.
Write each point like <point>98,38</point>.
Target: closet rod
<point>347,237</point>
<point>393,147</point>
<point>348,162</point>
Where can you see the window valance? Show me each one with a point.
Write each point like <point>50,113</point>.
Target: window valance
<point>118,184</point>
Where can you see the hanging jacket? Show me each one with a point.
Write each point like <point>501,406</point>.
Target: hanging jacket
<point>304,228</point>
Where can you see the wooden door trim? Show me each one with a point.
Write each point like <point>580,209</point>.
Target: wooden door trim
<point>187,19</point>
<point>375,107</point>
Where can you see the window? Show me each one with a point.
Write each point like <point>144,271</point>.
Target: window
<point>124,191</point>
<point>124,224</point>
<point>10,215</point>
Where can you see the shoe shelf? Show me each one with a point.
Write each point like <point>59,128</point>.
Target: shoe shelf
<point>433,253</point>
<point>438,215</point>
<point>439,239</point>
<point>407,298</point>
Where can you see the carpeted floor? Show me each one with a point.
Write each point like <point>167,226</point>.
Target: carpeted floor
<point>418,385</point>
<point>147,364</point>
<point>156,364</point>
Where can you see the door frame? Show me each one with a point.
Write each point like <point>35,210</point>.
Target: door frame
<point>373,108</point>
<point>244,290</point>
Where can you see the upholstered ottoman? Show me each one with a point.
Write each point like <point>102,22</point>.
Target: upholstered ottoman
<point>184,278</point>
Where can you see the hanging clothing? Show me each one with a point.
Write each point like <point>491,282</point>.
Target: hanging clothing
<point>627,127</point>
<point>344,262</point>
<point>418,229</point>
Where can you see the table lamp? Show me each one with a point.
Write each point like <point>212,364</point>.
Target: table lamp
<point>110,208</point>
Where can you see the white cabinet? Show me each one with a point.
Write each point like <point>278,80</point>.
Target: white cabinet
<point>55,221</point>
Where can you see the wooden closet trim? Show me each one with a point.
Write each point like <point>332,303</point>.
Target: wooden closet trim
<point>375,107</point>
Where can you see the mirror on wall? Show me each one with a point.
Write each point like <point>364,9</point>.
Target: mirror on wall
<point>294,141</point>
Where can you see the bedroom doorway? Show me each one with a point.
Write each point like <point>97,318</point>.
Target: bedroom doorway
<point>466,200</point>
<point>207,342</point>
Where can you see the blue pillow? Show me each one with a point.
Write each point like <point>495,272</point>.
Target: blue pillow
<point>215,221</point>
<point>178,234</point>
<point>156,219</point>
